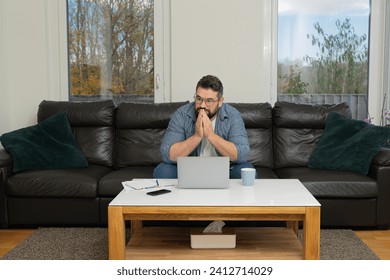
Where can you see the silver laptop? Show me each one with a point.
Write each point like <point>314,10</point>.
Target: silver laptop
<point>203,172</point>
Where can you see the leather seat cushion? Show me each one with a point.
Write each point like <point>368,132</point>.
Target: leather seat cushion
<point>57,183</point>
<point>265,173</point>
<point>258,123</point>
<point>111,184</point>
<point>332,184</point>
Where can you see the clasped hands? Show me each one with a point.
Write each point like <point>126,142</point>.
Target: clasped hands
<point>203,126</point>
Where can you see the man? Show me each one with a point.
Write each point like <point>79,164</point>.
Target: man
<point>205,127</point>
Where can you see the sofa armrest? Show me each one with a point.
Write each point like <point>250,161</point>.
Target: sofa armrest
<point>5,164</point>
<point>380,171</point>
<point>5,158</point>
<point>5,171</point>
<point>382,158</point>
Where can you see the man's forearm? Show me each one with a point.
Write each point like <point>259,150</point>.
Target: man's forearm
<point>184,148</point>
<point>224,147</point>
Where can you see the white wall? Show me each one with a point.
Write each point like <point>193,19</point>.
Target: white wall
<point>23,66</point>
<point>225,38</point>
<point>4,111</point>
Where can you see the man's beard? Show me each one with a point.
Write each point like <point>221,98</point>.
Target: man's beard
<point>208,112</point>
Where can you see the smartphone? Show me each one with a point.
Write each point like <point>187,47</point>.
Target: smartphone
<point>158,192</point>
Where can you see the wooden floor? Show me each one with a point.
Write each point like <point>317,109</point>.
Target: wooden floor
<point>377,240</point>
<point>9,238</point>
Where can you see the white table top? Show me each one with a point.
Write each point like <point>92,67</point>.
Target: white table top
<point>264,192</point>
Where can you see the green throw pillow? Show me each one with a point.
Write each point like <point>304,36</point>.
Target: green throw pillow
<point>47,145</point>
<point>348,144</point>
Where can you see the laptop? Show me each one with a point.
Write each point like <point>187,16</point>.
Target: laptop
<point>203,172</point>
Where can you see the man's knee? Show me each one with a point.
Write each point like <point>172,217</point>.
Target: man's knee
<point>235,169</point>
<point>165,170</point>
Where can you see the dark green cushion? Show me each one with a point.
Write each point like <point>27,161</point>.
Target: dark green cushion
<point>348,144</point>
<point>47,145</point>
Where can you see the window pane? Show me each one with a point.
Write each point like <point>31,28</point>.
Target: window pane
<point>111,52</point>
<point>323,52</point>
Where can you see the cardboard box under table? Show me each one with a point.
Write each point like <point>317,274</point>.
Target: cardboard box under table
<point>211,240</point>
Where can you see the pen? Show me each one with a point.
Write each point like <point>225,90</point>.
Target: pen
<point>157,183</point>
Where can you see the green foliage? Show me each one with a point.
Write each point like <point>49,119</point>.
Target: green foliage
<point>292,82</point>
<point>341,63</point>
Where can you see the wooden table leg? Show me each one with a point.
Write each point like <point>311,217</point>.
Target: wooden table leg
<point>136,225</point>
<point>293,225</point>
<point>116,233</point>
<point>311,234</point>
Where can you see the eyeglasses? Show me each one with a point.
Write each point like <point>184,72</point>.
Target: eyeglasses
<point>208,101</point>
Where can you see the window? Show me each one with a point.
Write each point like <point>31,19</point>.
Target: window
<point>111,50</point>
<point>323,52</point>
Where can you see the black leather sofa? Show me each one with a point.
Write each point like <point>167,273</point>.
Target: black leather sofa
<point>122,142</point>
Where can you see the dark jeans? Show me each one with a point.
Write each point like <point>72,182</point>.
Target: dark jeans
<point>169,170</point>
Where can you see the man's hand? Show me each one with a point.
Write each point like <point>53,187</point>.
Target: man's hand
<point>203,126</point>
<point>207,126</point>
<point>199,124</point>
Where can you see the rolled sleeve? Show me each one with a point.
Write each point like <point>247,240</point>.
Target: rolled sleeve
<point>176,132</point>
<point>237,135</point>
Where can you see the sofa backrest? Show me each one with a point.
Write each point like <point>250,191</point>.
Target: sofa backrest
<point>297,129</point>
<point>139,132</point>
<point>92,124</point>
<point>258,123</point>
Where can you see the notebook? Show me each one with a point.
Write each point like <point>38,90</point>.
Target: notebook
<point>203,172</point>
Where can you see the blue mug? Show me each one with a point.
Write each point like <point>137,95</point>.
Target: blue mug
<point>248,176</point>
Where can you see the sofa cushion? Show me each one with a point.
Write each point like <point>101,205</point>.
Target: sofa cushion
<point>111,184</point>
<point>348,144</point>
<point>139,132</point>
<point>293,115</point>
<point>47,145</point>
<point>258,123</point>
<point>297,128</point>
<point>324,183</point>
<point>92,124</point>
<point>59,183</point>
<point>265,173</point>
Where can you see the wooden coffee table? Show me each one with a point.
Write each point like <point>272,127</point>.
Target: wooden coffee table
<point>267,200</point>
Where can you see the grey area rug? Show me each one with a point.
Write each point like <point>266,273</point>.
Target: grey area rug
<point>92,244</point>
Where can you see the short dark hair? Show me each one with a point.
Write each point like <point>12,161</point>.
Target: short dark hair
<point>211,82</point>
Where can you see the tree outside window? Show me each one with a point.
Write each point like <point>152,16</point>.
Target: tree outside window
<point>323,53</point>
<point>111,50</point>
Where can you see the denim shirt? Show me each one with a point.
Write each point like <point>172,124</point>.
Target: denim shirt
<point>229,125</point>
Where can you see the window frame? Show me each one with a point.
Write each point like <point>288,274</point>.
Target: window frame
<point>57,40</point>
<point>376,60</point>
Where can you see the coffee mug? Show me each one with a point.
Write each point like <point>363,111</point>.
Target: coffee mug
<point>248,176</point>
